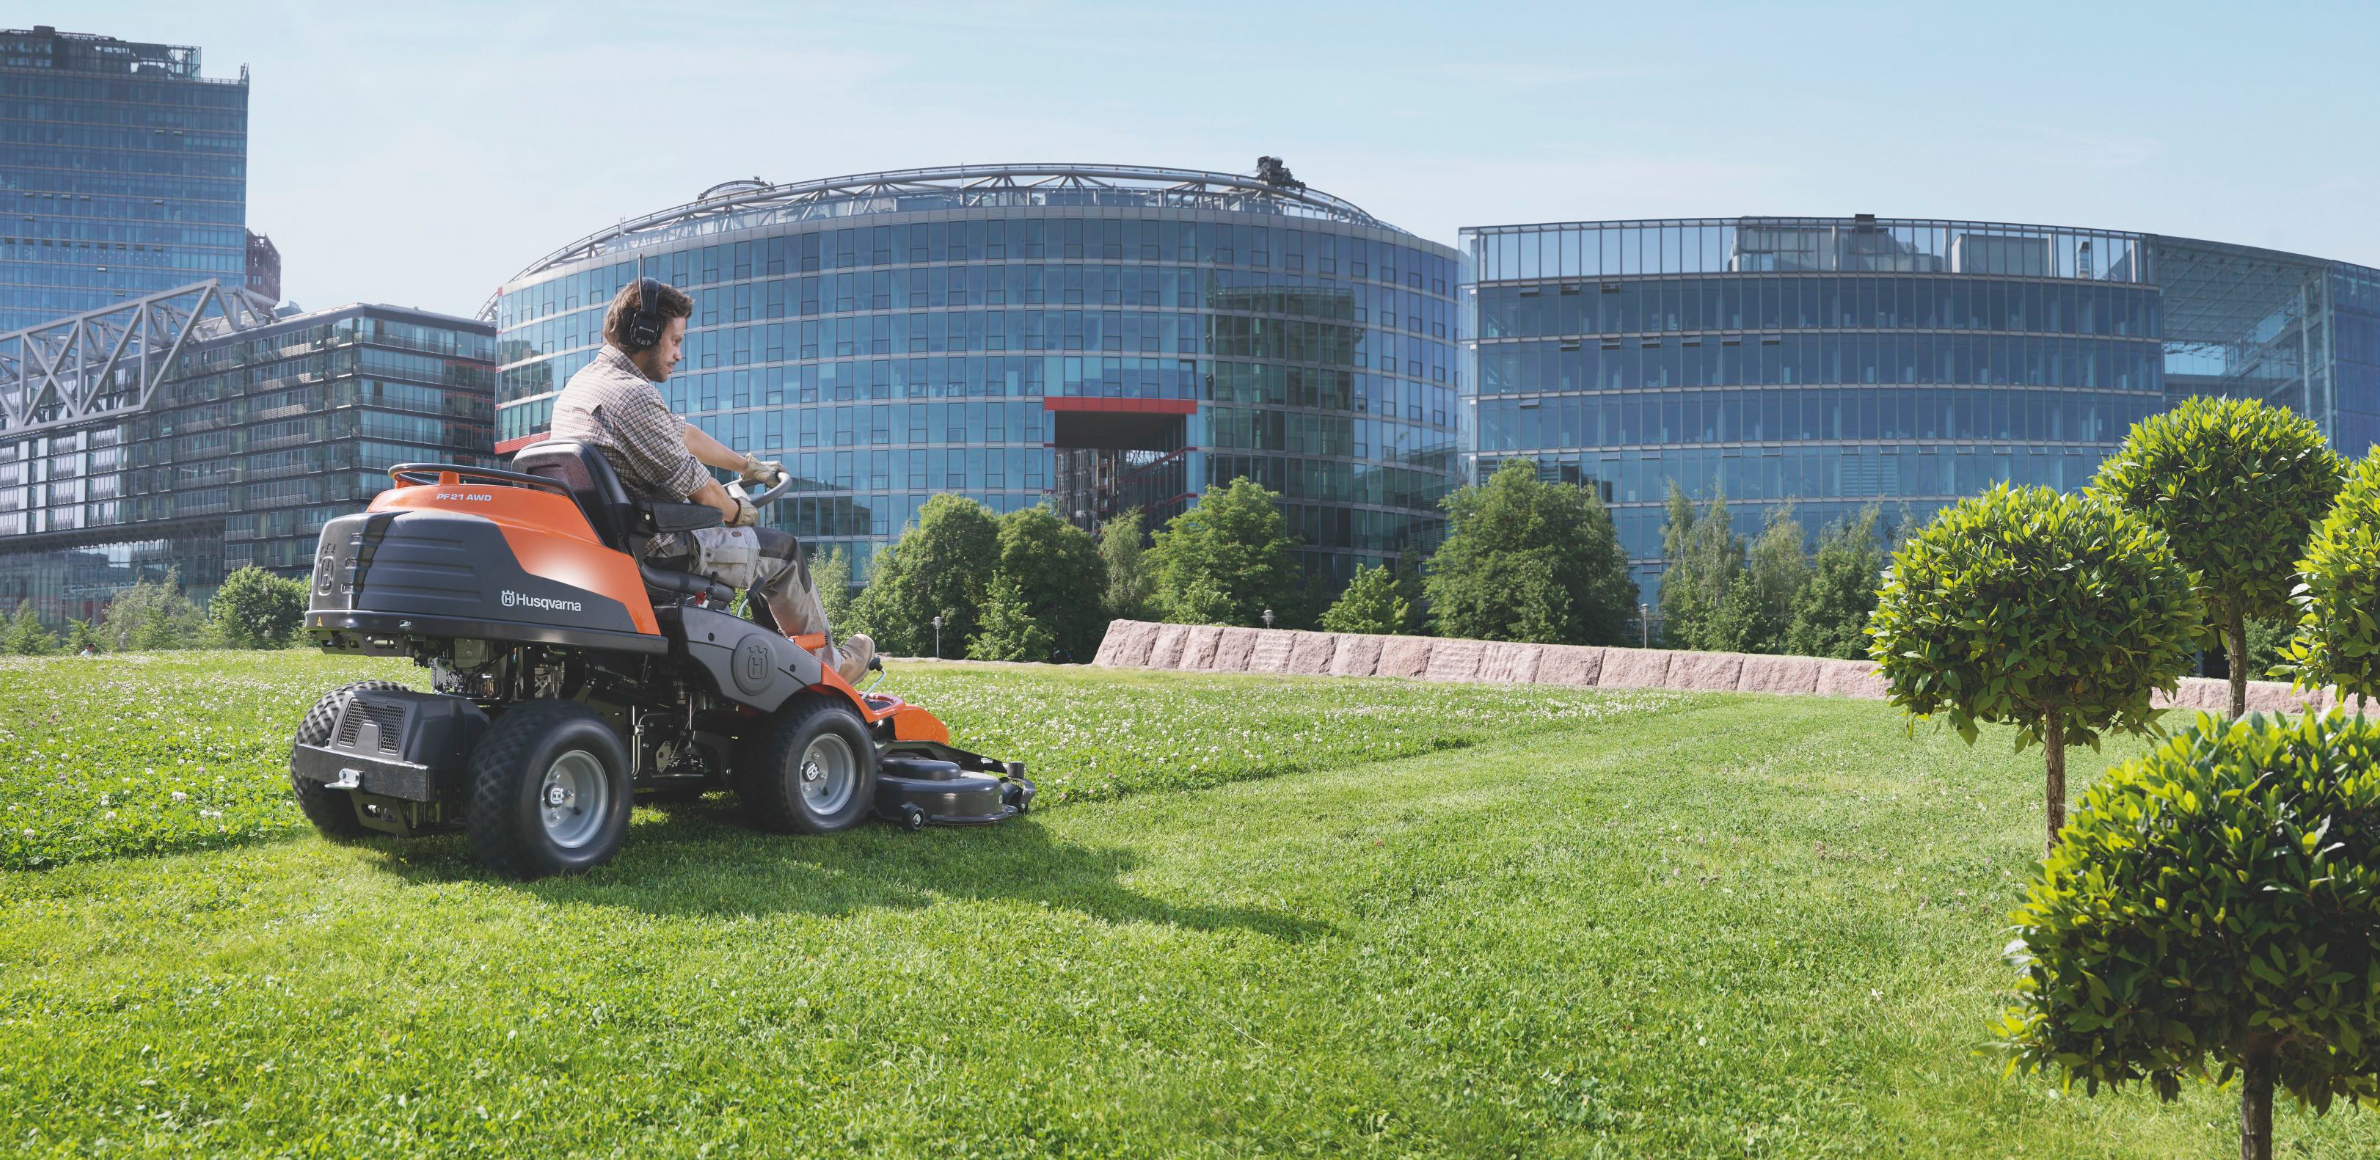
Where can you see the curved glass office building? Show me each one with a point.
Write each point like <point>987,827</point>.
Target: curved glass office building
<point>1835,362</point>
<point>1103,336</point>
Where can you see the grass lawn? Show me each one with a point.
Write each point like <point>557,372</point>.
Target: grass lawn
<point>1401,920</point>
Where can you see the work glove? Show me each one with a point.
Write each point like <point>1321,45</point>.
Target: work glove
<point>757,470</point>
<point>745,514</point>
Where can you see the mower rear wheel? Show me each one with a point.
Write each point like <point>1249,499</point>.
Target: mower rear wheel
<point>331,810</point>
<point>549,791</point>
<point>811,771</point>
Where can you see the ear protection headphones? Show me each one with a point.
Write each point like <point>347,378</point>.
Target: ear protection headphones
<point>644,326</point>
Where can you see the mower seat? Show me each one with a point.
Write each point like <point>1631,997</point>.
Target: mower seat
<point>591,481</point>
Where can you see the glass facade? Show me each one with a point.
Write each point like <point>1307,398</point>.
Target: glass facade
<point>1835,362</point>
<point>122,172</point>
<point>250,444</point>
<point>1101,337</point>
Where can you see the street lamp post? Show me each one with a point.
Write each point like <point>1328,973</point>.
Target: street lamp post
<point>1644,623</point>
<point>937,637</point>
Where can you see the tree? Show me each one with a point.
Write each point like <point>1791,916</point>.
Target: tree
<point>1528,560</point>
<point>1010,632</point>
<point>831,573</point>
<point>256,609</point>
<point>2337,640</point>
<point>1830,615</point>
<point>2059,614</point>
<point>1056,569</point>
<point>1377,601</point>
<point>80,637</point>
<point>1706,556</point>
<point>154,615</point>
<point>1126,558</point>
<point>1776,570</point>
<point>26,636</point>
<point>1226,560</point>
<point>2235,485</point>
<point>2217,897</point>
<point>939,567</point>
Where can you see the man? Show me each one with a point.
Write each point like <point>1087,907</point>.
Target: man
<point>613,404</point>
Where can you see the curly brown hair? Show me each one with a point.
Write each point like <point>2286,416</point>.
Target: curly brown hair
<point>670,302</point>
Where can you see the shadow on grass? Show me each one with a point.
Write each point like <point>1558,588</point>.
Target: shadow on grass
<point>699,859</point>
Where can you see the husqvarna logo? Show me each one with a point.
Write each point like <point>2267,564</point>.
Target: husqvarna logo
<point>514,599</point>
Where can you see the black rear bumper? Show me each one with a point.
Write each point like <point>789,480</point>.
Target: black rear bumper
<point>409,746</point>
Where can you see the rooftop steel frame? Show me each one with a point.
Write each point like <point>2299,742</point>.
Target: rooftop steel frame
<point>109,361</point>
<point>729,204</point>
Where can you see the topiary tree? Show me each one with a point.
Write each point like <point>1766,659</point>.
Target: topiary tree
<point>938,567</point>
<point>2059,614</point>
<point>256,609</point>
<point>1830,613</point>
<point>1376,601</point>
<point>2338,641</point>
<point>1226,559</point>
<point>1010,632</point>
<point>2235,485</point>
<point>1529,560</point>
<point>2219,897</point>
<point>1057,570</point>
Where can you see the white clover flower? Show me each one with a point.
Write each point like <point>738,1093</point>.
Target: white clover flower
<point>179,796</point>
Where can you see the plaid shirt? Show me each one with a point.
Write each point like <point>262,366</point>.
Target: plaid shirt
<point>612,405</point>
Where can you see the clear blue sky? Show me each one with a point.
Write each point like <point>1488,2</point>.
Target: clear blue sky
<point>422,152</point>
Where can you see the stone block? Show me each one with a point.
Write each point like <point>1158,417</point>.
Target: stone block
<point>1568,664</point>
<point>1634,668</point>
<point>1706,672</point>
<point>2278,697</point>
<point>1271,654</point>
<point>1165,650</point>
<point>1358,655</point>
<point>1405,656</point>
<point>2196,695</point>
<point>1233,648</point>
<point>1510,663</point>
<point>1311,653</point>
<point>1109,642</point>
<point>1132,651</point>
<point>1858,679</point>
<point>1198,646</point>
<point>1454,660</point>
<point>1791,675</point>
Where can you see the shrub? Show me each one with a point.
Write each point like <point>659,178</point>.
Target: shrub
<point>1226,559</point>
<point>1126,557</point>
<point>1377,601</point>
<point>2234,484</point>
<point>155,615</point>
<point>256,609</point>
<point>2337,641</point>
<point>1830,613</point>
<point>2059,614</point>
<point>831,573</point>
<point>1529,560</point>
<point>938,567</point>
<point>2219,897</point>
<point>1010,632</point>
<point>25,635</point>
<point>1056,569</point>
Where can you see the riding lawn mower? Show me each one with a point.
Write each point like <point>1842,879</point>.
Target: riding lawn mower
<point>569,677</point>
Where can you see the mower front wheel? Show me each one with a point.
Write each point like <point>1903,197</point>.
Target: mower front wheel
<point>810,771</point>
<point>549,791</point>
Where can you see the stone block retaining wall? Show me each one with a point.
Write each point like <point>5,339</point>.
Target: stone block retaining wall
<point>1206,648</point>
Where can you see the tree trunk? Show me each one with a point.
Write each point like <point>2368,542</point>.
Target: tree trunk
<point>2053,744</point>
<point>2235,642</point>
<point>2256,1097</point>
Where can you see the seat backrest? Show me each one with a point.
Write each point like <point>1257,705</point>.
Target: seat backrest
<point>591,480</point>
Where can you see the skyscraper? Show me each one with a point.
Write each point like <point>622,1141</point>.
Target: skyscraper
<point>123,172</point>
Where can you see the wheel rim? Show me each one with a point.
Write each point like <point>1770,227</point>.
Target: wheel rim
<point>573,799</point>
<point>828,773</point>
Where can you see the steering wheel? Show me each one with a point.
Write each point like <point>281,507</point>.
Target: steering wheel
<point>772,495</point>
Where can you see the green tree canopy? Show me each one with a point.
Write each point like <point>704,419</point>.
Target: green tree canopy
<point>2337,640</point>
<point>832,574</point>
<point>2235,485</point>
<point>1058,575</point>
<point>940,566</point>
<point>80,636</point>
<point>1226,560</point>
<point>256,609</point>
<point>154,614</point>
<point>1379,600</point>
<point>2215,898</point>
<point>25,634</point>
<point>1010,632</point>
<point>1706,558</point>
<point>1830,615</point>
<point>2059,614</point>
<point>1528,560</point>
<point>1125,554</point>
